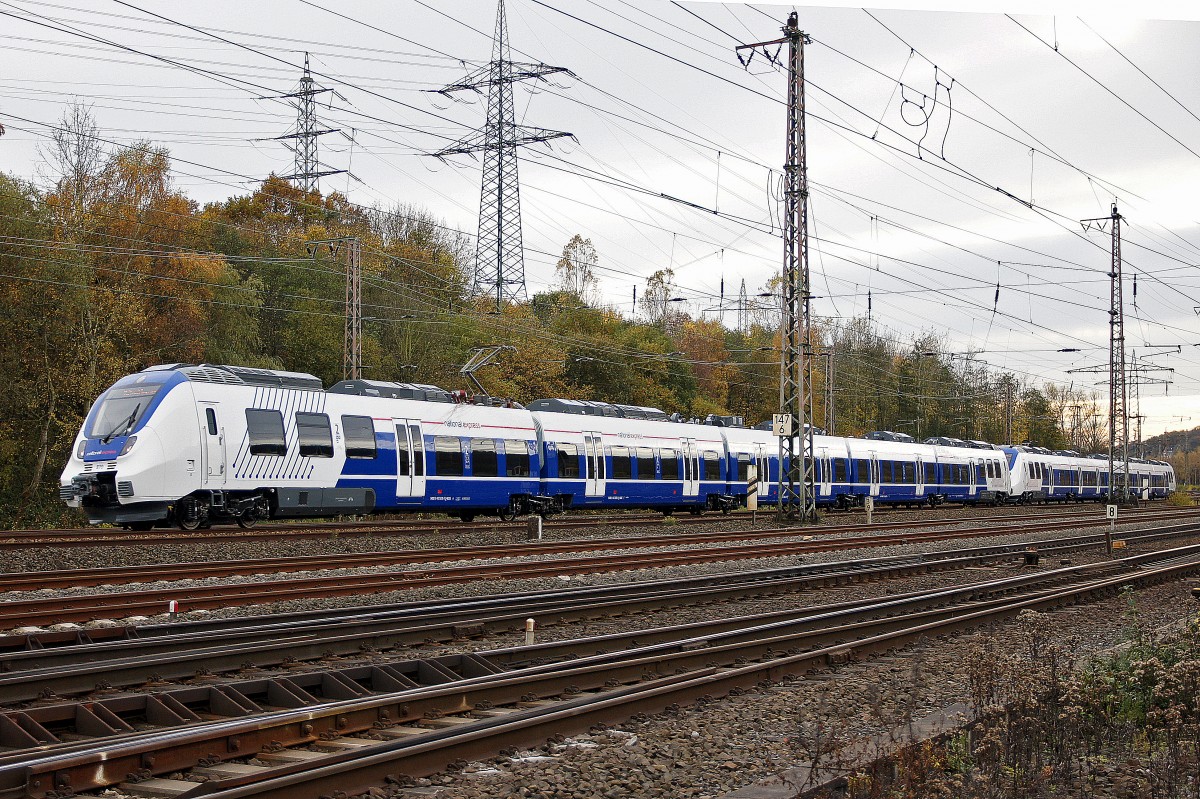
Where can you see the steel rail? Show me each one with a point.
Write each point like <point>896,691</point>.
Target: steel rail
<point>74,676</point>
<point>76,578</point>
<point>18,612</point>
<point>79,669</point>
<point>358,771</point>
<point>175,654</point>
<point>424,752</point>
<point>103,536</point>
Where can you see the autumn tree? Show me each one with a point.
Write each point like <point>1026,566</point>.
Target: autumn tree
<point>656,301</point>
<point>576,269</point>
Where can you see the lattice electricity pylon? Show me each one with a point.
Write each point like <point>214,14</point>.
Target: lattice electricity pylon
<point>1118,394</point>
<point>307,168</point>
<point>797,497</point>
<point>499,253</point>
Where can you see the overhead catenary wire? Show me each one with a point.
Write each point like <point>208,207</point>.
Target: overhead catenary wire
<point>681,233</point>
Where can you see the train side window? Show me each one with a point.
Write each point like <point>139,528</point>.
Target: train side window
<point>669,458</point>
<point>315,435</point>
<point>211,417</point>
<point>645,463</point>
<point>360,436</point>
<point>402,459</point>
<point>712,465</point>
<point>743,466</point>
<point>418,445</point>
<point>265,429</point>
<point>447,456</point>
<point>909,470</point>
<point>516,458</point>
<point>931,473</point>
<point>622,467</point>
<point>568,460</point>
<point>839,471</point>
<point>484,462</point>
<point>862,470</point>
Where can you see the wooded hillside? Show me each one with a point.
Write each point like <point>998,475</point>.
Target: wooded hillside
<point>109,268</point>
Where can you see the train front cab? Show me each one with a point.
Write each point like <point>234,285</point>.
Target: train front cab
<point>137,451</point>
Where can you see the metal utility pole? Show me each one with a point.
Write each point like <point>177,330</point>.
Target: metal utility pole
<point>797,498</point>
<point>1118,397</point>
<point>307,168</point>
<point>829,409</point>
<point>352,332</point>
<point>1008,413</point>
<point>743,317</point>
<point>499,252</point>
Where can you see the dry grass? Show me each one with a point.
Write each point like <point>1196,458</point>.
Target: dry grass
<point>1124,726</point>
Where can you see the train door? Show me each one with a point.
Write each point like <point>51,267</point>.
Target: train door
<point>825,478</point>
<point>874,475</point>
<point>973,476</point>
<point>764,471</point>
<point>919,478</point>
<point>212,450</point>
<point>410,459</point>
<point>691,468</point>
<point>593,447</point>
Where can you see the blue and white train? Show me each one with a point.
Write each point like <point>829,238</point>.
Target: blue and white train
<point>193,445</point>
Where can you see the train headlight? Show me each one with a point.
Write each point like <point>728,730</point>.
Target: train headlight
<point>79,450</point>
<point>129,442</point>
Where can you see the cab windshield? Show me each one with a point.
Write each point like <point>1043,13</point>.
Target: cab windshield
<point>121,410</point>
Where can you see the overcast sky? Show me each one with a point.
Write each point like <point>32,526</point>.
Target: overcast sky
<point>948,153</point>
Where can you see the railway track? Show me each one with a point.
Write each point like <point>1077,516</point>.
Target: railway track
<point>104,536</point>
<point>18,612</point>
<point>75,578</point>
<point>53,663</point>
<point>100,536</point>
<point>297,735</point>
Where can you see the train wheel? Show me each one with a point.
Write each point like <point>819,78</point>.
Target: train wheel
<point>247,520</point>
<point>189,524</point>
<point>467,517</point>
<point>507,515</point>
<point>141,527</point>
